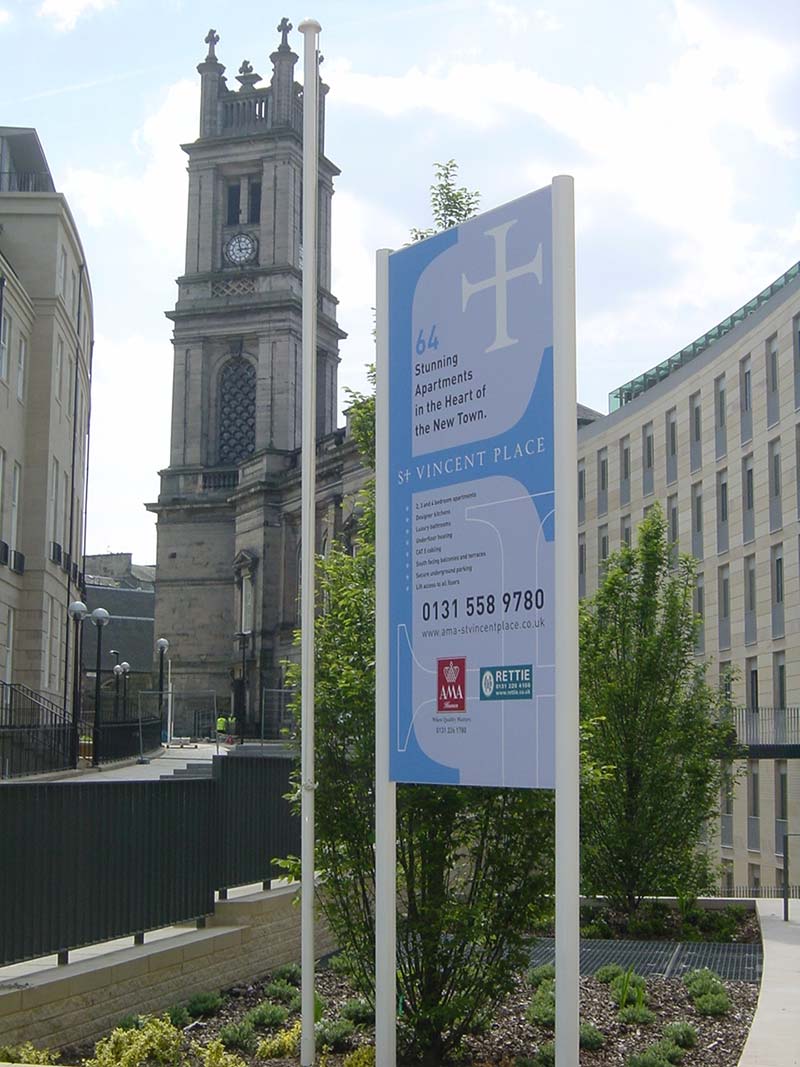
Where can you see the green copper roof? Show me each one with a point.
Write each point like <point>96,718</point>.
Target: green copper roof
<point>630,390</point>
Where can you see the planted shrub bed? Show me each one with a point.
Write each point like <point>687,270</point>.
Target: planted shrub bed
<point>626,1021</point>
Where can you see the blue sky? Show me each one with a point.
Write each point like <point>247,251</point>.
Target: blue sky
<point>679,120</point>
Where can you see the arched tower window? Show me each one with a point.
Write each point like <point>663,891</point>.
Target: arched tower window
<point>237,411</point>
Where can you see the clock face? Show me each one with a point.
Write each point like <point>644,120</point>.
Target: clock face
<point>240,249</point>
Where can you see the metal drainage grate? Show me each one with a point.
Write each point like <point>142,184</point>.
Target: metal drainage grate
<point>670,959</point>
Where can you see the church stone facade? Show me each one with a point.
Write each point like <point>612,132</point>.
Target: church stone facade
<point>228,511</point>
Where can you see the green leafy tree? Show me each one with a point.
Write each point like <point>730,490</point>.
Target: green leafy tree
<point>658,728</point>
<point>450,204</point>
<point>474,864</point>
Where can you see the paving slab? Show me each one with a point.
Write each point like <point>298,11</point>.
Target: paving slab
<point>774,1038</point>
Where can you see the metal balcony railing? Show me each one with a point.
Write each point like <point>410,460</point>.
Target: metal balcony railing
<point>26,181</point>
<point>769,730</point>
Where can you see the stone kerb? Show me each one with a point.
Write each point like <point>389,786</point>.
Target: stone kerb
<point>245,937</point>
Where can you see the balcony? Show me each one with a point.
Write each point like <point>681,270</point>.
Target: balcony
<point>768,733</point>
<point>26,181</point>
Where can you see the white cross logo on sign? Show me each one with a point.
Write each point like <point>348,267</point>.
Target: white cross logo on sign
<point>500,284</point>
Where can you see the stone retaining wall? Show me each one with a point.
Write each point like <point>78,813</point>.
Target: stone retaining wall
<point>245,938</point>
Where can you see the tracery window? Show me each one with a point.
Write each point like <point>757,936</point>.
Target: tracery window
<point>237,411</point>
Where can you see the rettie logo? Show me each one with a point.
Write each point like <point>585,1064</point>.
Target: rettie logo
<point>451,677</point>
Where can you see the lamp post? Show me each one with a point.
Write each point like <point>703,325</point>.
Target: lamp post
<point>243,637</point>
<point>77,612</point>
<point>100,618</point>
<point>162,644</point>
<point>113,652</point>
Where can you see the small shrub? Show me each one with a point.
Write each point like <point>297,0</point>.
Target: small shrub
<point>238,1035</point>
<point>626,987</point>
<point>282,991</point>
<point>683,1035</point>
<point>702,981</point>
<point>203,1004</point>
<point>361,1057</point>
<point>542,1008</point>
<point>590,1037</point>
<point>214,1055</point>
<point>359,1012</point>
<point>594,932</point>
<point>289,972</point>
<point>156,1041</point>
<point>266,1016</point>
<point>130,1022</point>
<point>178,1016</point>
<point>608,972</point>
<point>27,1053</point>
<point>545,972</point>
<point>713,1003</point>
<point>546,1056</point>
<point>671,1052</point>
<point>284,1043</point>
<point>636,1015</point>
<point>334,1034</point>
<point>649,1058</point>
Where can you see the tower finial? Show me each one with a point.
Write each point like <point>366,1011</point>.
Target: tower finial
<point>212,40</point>
<point>283,28</point>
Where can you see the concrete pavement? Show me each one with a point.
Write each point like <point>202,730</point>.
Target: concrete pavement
<point>774,1038</point>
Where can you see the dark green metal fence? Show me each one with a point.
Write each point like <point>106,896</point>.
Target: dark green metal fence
<point>85,862</point>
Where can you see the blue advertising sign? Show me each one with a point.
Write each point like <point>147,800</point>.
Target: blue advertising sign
<point>471,515</point>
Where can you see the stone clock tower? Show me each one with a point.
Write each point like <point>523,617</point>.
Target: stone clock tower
<point>228,510</point>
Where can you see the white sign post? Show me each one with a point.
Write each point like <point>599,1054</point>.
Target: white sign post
<point>476,588</point>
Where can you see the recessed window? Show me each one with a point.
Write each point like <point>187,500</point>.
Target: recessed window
<point>234,202</point>
<point>254,202</point>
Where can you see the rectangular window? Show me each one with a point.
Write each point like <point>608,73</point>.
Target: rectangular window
<point>603,472</point>
<point>581,565</point>
<point>602,547</point>
<point>55,486</point>
<point>696,416</point>
<point>59,371</point>
<point>750,583</point>
<point>698,508</point>
<point>22,358</point>
<point>779,680</point>
<point>16,489</point>
<point>602,481</point>
<point>772,363</point>
<point>723,496</point>
<point>625,458</point>
<point>254,202</point>
<point>647,458</point>
<point>65,512</point>
<point>234,201</point>
<point>781,789</point>
<point>2,493</point>
<point>751,676</point>
<point>724,592</point>
<point>61,281</point>
<point>745,371</point>
<point>5,341</point>
<point>672,432</point>
<point>778,575</point>
<point>700,597</point>
<point>625,530</point>
<point>753,799</point>
<point>581,492</point>
<point>720,402</point>
<point>672,518</point>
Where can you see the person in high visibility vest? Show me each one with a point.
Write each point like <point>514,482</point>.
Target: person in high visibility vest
<point>222,726</point>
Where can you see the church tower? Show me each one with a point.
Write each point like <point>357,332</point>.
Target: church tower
<point>226,579</point>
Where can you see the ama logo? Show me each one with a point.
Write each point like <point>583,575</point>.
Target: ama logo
<point>451,680</point>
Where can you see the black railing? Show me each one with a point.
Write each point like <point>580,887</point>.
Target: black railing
<point>91,861</point>
<point>767,729</point>
<point>36,737</point>
<point>26,181</point>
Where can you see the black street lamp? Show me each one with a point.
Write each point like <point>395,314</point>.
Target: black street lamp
<point>162,644</point>
<point>77,612</point>
<point>113,652</point>
<point>100,618</point>
<point>243,637</point>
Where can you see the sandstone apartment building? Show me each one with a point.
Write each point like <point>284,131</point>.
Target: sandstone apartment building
<point>45,357</point>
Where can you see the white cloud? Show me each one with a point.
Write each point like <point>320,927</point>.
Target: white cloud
<point>152,199</point>
<point>65,13</point>
<point>5,16</point>
<point>129,442</point>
